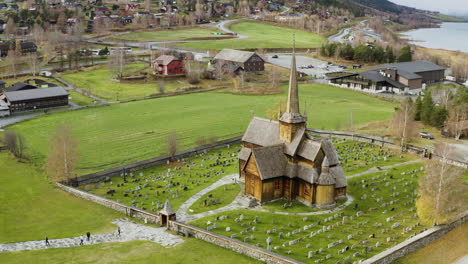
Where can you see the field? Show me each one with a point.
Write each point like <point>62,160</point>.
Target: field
<point>149,188</point>
<point>217,198</point>
<point>98,82</point>
<point>170,35</point>
<point>121,133</point>
<point>80,99</point>
<point>32,208</point>
<point>135,252</point>
<point>382,215</point>
<point>445,250</point>
<point>260,36</point>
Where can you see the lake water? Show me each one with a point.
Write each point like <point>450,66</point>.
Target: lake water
<point>450,36</point>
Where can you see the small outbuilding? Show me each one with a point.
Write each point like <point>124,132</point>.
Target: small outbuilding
<point>167,214</point>
<point>168,65</point>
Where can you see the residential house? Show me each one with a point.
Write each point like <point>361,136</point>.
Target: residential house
<point>168,65</point>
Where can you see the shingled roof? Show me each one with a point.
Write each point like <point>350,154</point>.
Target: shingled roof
<point>262,132</point>
<point>165,59</point>
<point>270,161</point>
<point>35,94</point>
<point>416,66</point>
<point>234,55</point>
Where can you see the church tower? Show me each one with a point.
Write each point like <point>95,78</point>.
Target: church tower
<point>292,120</point>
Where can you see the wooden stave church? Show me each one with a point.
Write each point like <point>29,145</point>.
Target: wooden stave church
<point>279,160</point>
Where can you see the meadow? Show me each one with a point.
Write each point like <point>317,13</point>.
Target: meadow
<point>170,35</point>
<point>217,198</point>
<point>121,133</point>
<point>80,99</point>
<point>260,36</point>
<point>381,216</point>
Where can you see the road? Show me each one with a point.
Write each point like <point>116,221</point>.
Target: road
<point>361,27</point>
<point>319,70</point>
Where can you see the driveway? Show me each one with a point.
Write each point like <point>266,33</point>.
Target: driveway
<point>319,70</point>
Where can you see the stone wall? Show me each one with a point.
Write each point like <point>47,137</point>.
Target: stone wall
<point>139,165</point>
<point>229,243</point>
<point>127,210</point>
<point>414,243</point>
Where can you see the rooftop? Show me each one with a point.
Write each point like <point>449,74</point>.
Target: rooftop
<point>31,94</point>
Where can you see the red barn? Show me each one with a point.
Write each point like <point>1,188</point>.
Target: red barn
<point>168,65</point>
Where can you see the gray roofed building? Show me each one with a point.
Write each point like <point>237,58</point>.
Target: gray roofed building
<point>416,66</point>
<point>165,59</point>
<point>309,149</point>
<point>234,55</point>
<point>32,94</point>
<point>270,160</point>
<point>245,60</point>
<point>19,86</point>
<point>262,132</point>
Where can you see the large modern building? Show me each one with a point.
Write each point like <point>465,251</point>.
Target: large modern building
<point>393,77</point>
<point>39,98</point>
<point>279,160</point>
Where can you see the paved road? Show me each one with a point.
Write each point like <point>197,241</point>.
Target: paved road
<point>129,231</point>
<point>284,60</point>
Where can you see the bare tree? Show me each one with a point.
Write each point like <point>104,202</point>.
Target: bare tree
<point>277,110</point>
<point>10,28</point>
<point>403,125</point>
<point>441,190</point>
<point>15,144</point>
<point>172,143</point>
<point>457,121</point>
<point>194,70</point>
<point>63,155</point>
<point>12,59</point>
<point>161,87</point>
<point>34,63</point>
<point>117,62</point>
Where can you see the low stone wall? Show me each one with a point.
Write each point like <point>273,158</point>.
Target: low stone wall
<point>414,243</point>
<point>101,175</point>
<point>127,210</point>
<point>229,243</point>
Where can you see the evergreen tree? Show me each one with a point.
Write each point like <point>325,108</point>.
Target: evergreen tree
<point>427,108</point>
<point>439,116</point>
<point>405,54</point>
<point>418,109</point>
<point>390,57</point>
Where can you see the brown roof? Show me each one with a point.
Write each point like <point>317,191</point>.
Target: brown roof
<point>270,161</point>
<point>338,174</point>
<point>234,55</point>
<point>262,132</point>
<point>292,147</point>
<point>308,174</point>
<point>309,149</point>
<point>244,154</point>
<point>330,152</point>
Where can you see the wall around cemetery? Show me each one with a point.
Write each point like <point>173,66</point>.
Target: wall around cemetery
<point>101,175</point>
<point>127,210</point>
<point>229,243</point>
<point>414,243</point>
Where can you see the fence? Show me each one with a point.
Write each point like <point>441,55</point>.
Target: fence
<point>414,243</point>
<point>234,245</point>
<point>127,210</point>
<point>101,175</point>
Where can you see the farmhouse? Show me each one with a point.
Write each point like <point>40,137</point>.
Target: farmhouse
<point>39,98</point>
<point>279,160</point>
<point>393,77</point>
<point>248,61</point>
<point>168,65</point>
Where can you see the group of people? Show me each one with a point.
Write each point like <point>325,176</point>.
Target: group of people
<point>88,236</point>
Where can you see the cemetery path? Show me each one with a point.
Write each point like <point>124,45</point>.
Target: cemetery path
<point>129,231</point>
<point>184,217</point>
<point>384,168</point>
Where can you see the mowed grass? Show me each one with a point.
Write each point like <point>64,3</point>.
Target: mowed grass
<point>168,35</point>
<point>80,99</point>
<point>221,196</point>
<point>135,252</point>
<point>445,250</point>
<point>261,36</point>
<point>31,208</point>
<point>113,135</point>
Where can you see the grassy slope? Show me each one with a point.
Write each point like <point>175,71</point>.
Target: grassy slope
<point>121,133</point>
<point>135,252</point>
<point>165,35</point>
<point>445,250</point>
<point>261,36</point>
<point>31,208</point>
<point>226,197</point>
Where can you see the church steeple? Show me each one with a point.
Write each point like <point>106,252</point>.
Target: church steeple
<point>292,114</point>
<point>292,120</point>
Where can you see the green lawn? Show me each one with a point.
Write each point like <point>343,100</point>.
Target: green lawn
<point>372,222</point>
<point>217,198</point>
<point>80,99</point>
<point>134,252</point>
<point>113,135</point>
<point>261,36</point>
<point>175,181</point>
<point>294,207</point>
<point>167,35</point>
<point>445,250</point>
<point>32,209</point>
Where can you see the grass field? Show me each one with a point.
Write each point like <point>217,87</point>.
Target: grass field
<point>445,250</point>
<point>294,207</point>
<point>32,208</point>
<point>225,194</point>
<point>260,36</point>
<point>121,133</point>
<point>80,99</point>
<point>377,223</point>
<point>168,35</point>
<point>135,252</point>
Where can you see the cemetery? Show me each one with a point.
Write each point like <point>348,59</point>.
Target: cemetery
<point>215,199</point>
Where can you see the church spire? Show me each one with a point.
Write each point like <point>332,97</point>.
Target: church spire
<point>292,114</point>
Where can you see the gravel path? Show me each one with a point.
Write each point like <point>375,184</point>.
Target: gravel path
<point>129,231</point>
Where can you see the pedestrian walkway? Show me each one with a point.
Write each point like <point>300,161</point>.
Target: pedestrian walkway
<point>129,231</point>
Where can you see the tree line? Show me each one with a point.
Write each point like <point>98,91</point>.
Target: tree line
<point>366,53</point>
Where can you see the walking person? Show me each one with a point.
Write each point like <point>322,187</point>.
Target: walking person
<point>47,241</point>
<point>88,235</point>
<point>81,241</point>
<point>118,231</point>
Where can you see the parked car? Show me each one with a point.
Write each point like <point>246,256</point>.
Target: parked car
<point>310,66</point>
<point>426,135</point>
<point>343,67</point>
<point>274,56</point>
